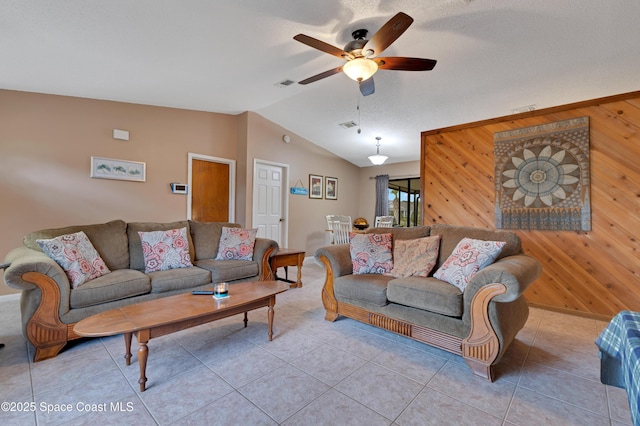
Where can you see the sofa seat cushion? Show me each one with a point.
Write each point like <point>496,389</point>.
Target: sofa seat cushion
<point>178,279</point>
<point>429,294</point>
<point>116,285</point>
<point>370,288</point>
<point>229,270</point>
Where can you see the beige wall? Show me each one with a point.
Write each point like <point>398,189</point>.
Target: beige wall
<point>307,221</point>
<point>46,143</point>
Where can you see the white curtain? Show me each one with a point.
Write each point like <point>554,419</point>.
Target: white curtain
<point>382,195</point>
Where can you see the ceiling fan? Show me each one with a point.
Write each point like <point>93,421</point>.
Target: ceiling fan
<point>362,54</point>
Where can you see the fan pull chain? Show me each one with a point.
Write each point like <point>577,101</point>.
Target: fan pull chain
<point>358,108</point>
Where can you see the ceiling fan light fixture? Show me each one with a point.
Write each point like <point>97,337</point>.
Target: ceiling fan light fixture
<point>360,69</point>
<point>378,159</point>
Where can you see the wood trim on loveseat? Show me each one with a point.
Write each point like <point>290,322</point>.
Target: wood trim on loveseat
<point>45,331</point>
<point>479,349</point>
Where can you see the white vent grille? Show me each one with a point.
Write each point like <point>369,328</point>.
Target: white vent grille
<point>524,109</point>
<point>285,83</point>
<point>348,124</point>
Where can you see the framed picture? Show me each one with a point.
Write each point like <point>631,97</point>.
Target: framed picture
<point>108,168</point>
<point>330,188</point>
<point>315,186</point>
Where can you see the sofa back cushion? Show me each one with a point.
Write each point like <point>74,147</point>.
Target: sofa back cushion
<point>451,236</point>
<point>206,237</point>
<point>136,257</point>
<point>399,233</point>
<point>109,239</point>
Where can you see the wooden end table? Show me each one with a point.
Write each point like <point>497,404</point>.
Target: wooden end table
<point>155,318</point>
<point>284,258</point>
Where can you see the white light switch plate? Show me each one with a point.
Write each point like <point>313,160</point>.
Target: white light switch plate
<point>121,134</point>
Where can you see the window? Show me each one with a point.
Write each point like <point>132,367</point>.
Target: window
<point>404,201</point>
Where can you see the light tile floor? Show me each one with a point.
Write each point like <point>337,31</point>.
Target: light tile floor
<point>314,372</point>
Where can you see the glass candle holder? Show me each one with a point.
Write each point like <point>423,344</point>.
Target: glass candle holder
<point>221,289</point>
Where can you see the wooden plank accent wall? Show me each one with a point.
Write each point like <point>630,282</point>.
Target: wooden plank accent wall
<point>595,273</point>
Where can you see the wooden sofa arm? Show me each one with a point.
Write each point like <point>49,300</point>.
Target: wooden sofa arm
<point>44,329</point>
<point>493,304</point>
<point>34,271</point>
<point>482,346</point>
<point>262,251</point>
<point>25,260</point>
<point>515,272</point>
<point>339,257</point>
<point>328,296</point>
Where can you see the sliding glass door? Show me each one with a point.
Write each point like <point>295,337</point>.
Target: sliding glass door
<point>404,201</point>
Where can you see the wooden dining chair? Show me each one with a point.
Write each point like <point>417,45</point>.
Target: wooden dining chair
<point>340,227</point>
<point>384,222</point>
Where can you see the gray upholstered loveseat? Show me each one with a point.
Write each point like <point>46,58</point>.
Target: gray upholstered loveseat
<point>50,307</point>
<point>478,324</point>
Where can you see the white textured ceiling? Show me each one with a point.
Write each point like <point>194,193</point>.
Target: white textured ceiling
<point>227,56</point>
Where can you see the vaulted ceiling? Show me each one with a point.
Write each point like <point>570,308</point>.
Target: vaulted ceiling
<point>494,56</point>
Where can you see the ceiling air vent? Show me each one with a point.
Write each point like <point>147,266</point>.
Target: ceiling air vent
<point>348,124</point>
<point>285,83</point>
<point>526,108</point>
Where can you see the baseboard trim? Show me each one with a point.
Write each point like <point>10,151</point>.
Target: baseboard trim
<point>10,297</point>
<point>566,311</point>
<point>310,259</point>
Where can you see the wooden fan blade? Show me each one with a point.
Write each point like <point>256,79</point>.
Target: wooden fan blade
<point>387,34</point>
<point>321,76</point>
<point>367,87</point>
<point>322,46</point>
<point>405,64</point>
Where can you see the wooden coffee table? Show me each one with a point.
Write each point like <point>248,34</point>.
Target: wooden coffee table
<point>158,317</point>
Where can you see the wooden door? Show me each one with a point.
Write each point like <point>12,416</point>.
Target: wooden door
<point>209,191</point>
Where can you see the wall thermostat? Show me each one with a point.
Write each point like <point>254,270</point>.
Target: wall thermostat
<point>179,188</point>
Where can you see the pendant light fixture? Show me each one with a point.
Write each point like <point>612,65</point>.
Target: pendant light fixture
<point>378,159</point>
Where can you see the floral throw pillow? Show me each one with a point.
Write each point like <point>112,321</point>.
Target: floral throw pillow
<point>467,258</point>
<point>415,257</point>
<point>371,253</point>
<point>76,256</point>
<point>236,244</point>
<point>164,250</point>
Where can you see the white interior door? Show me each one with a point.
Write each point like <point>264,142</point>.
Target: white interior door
<point>270,200</point>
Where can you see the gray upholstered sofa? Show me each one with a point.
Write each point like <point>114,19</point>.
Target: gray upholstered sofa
<point>50,306</point>
<point>478,324</point>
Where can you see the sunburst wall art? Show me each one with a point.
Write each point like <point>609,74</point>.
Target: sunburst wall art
<point>542,177</point>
